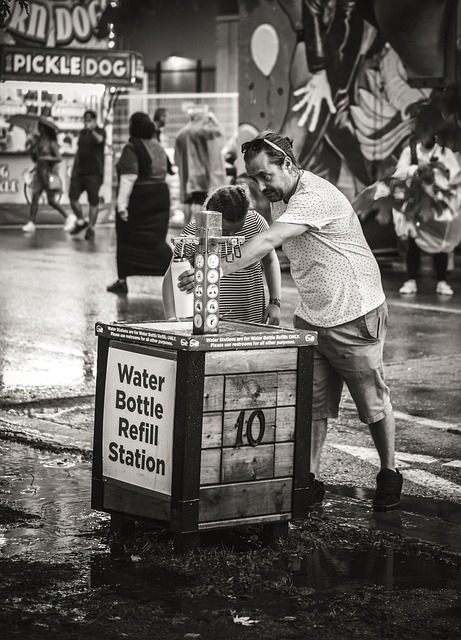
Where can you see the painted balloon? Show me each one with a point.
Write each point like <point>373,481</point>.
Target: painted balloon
<point>265,48</point>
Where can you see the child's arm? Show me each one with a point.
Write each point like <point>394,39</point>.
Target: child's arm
<point>273,277</point>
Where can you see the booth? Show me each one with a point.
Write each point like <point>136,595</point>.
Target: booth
<point>53,64</point>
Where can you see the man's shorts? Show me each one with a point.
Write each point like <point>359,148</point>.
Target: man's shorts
<point>351,353</point>
<point>90,184</point>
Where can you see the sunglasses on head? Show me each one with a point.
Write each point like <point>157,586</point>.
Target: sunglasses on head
<point>257,145</point>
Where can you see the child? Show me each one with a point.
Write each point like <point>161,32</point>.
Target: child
<point>242,294</point>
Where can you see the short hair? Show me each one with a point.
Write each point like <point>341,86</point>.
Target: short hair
<point>159,113</point>
<point>141,126</point>
<point>274,145</point>
<point>91,113</point>
<point>232,201</point>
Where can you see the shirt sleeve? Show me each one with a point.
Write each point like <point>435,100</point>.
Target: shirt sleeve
<point>128,161</point>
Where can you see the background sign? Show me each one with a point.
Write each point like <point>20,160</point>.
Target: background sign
<point>71,65</point>
<point>138,417</point>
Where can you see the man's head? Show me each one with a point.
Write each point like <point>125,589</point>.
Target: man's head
<point>89,118</point>
<point>270,162</point>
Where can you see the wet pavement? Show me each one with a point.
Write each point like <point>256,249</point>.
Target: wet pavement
<point>53,290</point>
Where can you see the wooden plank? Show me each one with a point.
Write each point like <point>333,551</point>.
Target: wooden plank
<point>244,500</point>
<point>285,418</point>
<point>230,429</point>
<point>303,431</point>
<point>213,393</point>
<point>212,428</point>
<point>253,360</point>
<point>227,524</point>
<point>283,459</point>
<point>250,391</point>
<point>286,389</point>
<point>210,467</point>
<point>248,463</point>
<point>133,503</point>
<point>187,440</point>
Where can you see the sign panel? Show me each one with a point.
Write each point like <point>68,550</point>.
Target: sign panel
<point>118,68</point>
<point>138,417</point>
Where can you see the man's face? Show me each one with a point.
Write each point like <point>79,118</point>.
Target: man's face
<point>89,122</point>
<point>273,180</point>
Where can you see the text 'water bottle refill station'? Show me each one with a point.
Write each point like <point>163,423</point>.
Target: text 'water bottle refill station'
<point>202,423</point>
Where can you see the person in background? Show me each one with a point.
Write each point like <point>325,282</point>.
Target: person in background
<point>160,118</point>
<point>199,158</point>
<point>435,236</point>
<point>341,298</point>
<point>242,294</point>
<point>143,206</point>
<point>44,151</point>
<point>87,174</point>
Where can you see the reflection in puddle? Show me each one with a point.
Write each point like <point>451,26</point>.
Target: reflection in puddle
<point>49,500</point>
<point>335,568</point>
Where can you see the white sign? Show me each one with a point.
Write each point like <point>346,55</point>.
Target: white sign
<point>138,418</point>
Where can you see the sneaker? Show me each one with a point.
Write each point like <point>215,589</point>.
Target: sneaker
<point>29,227</point>
<point>79,226</point>
<point>388,490</point>
<point>89,234</point>
<point>119,286</point>
<point>409,287</point>
<point>70,222</point>
<point>316,492</point>
<point>444,288</point>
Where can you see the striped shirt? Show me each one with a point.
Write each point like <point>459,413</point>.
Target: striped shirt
<point>242,294</point>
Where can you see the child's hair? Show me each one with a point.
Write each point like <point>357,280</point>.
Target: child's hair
<point>232,201</point>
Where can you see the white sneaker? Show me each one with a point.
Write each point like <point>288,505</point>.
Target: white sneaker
<point>29,227</point>
<point>444,288</point>
<point>70,222</point>
<point>409,287</point>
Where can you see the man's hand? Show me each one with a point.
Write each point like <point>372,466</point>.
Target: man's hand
<point>315,92</point>
<point>123,213</point>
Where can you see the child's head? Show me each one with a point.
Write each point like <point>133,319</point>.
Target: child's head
<point>233,203</point>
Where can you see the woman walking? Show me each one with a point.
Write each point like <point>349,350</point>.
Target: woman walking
<point>143,206</point>
<point>44,151</point>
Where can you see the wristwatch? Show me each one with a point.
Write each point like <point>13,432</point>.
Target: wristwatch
<point>276,301</point>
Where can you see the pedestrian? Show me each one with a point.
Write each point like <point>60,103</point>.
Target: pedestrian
<point>44,151</point>
<point>143,206</point>
<point>160,119</point>
<point>242,294</point>
<point>436,234</point>
<point>199,157</point>
<point>341,297</point>
<point>87,174</point>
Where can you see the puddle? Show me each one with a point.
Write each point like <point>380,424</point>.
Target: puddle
<point>48,498</point>
<point>326,569</point>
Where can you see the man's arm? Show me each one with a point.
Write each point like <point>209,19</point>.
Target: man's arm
<point>256,249</point>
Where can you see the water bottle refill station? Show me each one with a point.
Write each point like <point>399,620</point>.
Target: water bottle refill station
<point>202,423</point>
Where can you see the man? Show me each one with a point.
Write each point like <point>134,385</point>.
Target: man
<point>341,294</point>
<point>87,174</point>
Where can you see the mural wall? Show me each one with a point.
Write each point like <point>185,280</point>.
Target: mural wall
<point>321,72</point>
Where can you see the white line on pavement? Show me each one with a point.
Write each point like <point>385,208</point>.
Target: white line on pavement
<point>422,422</point>
<point>422,307</point>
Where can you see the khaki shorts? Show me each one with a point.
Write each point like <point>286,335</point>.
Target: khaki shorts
<point>351,353</point>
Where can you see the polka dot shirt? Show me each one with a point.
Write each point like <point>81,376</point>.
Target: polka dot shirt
<point>334,269</point>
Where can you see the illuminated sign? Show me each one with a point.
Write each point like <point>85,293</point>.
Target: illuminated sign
<point>118,68</point>
<point>57,24</point>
